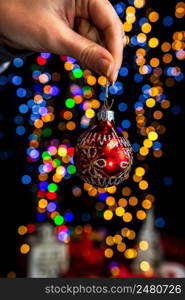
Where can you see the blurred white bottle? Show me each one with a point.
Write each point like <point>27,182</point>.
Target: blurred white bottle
<point>48,257</point>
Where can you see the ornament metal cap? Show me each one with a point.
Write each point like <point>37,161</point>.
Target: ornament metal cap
<point>106,115</point>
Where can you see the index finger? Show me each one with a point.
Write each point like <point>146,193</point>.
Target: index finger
<point>106,19</point>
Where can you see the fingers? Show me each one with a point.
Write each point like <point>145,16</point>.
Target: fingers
<point>85,51</point>
<point>89,31</point>
<point>105,18</point>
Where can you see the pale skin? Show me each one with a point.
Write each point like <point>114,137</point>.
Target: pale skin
<point>88,30</point>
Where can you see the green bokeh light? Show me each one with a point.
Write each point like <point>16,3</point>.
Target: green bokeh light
<point>52,187</point>
<point>77,73</point>
<point>70,103</point>
<point>46,155</point>
<point>57,162</point>
<point>71,169</point>
<point>59,220</point>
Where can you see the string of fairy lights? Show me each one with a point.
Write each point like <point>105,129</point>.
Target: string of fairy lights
<point>53,158</point>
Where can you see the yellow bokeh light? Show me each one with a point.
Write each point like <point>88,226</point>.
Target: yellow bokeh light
<point>62,151</point>
<point>167,58</point>
<point>140,171</point>
<point>146,28</point>
<point>38,123</point>
<point>78,99</point>
<point>108,253</point>
<point>22,230</point>
<point>117,239</point>
<point>180,10</point>
<point>109,241</point>
<point>102,80</point>
<point>120,211</point>
<point>153,136</point>
<point>125,232</point>
<point>178,35</point>
<point>130,10</point>
<point>127,27</point>
<point>111,189</point>
<point>143,151</point>
<point>90,113</point>
<point>154,62</point>
<point>143,184</point>
<point>140,52</point>
<point>127,217</point>
<point>71,125</point>
<point>133,201</point>
<point>108,214</point>
<point>130,253</point>
<point>165,104</point>
<point>146,204</point>
<point>67,115</point>
<point>147,143</point>
<point>137,178</point>
<point>155,91</point>
<point>153,42</point>
<point>140,214</point>
<point>25,248</point>
<point>121,247</point>
<point>165,47</point>
<point>93,192</point>
<point>68,66</point>
<point>61,170</point>
<point>143,245</point>
<point>42,203</point>
<point>110,201</point>
<point>91,80</point>
<point>153,16</point>
<point>131,235</point>
<point>87,186</point>
<point>150,102</point>
<point>95,103</point>
<point>141,37</point>
<point>144,266</point>
<point>139,3</point>
<point>158,114</point>
<point>122,202</point>
<point>56,178</point>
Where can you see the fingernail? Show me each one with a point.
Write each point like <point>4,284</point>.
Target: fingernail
<point>115,78</point>
<point>103,66</point>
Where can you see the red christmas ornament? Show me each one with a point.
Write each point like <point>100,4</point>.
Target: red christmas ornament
<point>103,157</point>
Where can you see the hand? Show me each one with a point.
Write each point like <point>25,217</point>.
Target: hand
<point>88,30</point>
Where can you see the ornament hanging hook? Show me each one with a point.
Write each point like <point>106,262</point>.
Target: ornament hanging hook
<point>106,105</point>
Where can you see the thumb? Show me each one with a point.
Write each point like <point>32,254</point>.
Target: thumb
<point>87,52</point>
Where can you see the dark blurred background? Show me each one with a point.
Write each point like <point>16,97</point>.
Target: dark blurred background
<point>17,200</point>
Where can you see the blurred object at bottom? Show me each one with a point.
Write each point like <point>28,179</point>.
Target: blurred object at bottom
<point>48,258</point>
<point>171,270</point>
<point>149,251</point>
